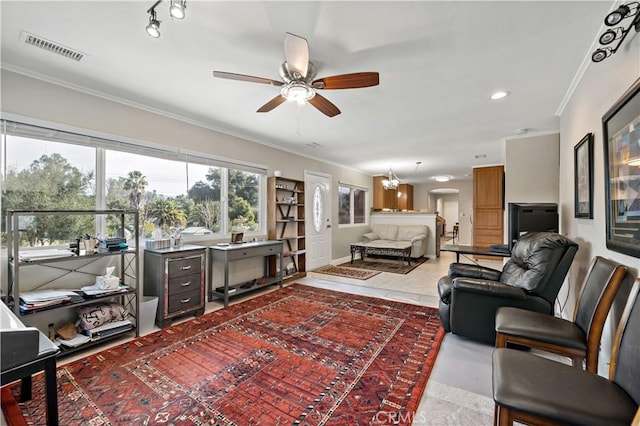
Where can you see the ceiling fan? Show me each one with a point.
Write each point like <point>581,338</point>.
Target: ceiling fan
<point>298,83</point>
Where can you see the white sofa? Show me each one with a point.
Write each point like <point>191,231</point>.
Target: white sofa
<point>386,235</point>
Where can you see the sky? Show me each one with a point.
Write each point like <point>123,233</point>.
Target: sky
<point>167,177</point>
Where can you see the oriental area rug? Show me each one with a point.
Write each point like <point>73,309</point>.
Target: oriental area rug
<point>347,272</point>
<point>298,355</point>
<point>382,264</point>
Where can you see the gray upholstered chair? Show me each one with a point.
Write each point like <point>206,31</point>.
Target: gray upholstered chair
<point>535,390</point>
<point>578,339</point>
<point>470,295</point>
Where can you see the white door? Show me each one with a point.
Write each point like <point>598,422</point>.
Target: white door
<point>317,199</point>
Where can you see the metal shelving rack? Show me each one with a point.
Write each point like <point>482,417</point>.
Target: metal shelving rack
<point>129,268</point>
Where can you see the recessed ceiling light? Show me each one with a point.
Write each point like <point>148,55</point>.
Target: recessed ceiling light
<point>442,178</point>
<point>500,94</point>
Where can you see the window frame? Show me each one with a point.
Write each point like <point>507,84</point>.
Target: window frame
<point>351,188</point>
<point>103,142</point>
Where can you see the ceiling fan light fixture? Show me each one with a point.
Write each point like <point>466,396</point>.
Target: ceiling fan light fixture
<point>177,9</point>
<point>296,91</point>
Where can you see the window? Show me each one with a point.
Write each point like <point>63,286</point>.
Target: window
<point>351,205</point>
<point>173,191</point>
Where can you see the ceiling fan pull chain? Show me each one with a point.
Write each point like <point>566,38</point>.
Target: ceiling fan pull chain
<point>298,119</point>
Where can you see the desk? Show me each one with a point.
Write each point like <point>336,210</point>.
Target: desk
<point>237,252</point>
<point>480,251</point>
<point>27,351</point>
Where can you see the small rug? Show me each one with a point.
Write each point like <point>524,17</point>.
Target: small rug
<point>342,271</point>
<point>385,264</point>
<point>299,355</point>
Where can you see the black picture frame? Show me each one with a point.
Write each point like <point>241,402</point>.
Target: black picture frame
<point>583,177</point>
<point>621,134</point>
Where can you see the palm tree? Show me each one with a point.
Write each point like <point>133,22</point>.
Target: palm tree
<point>166,212</point>
<point>136,183</point>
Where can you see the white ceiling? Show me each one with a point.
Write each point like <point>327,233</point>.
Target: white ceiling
<point>438,62</point>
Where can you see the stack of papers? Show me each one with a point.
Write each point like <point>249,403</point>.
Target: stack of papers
<point>108,329</point>
<point>32,300</point>
<point>26,256</point>
<point>95,290</point>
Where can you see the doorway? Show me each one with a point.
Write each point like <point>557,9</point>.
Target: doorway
<point>317,199</point>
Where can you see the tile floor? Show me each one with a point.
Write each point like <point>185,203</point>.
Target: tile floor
<point>459,388</point>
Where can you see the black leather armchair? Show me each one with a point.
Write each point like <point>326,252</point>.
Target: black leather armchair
<point>470,295</point>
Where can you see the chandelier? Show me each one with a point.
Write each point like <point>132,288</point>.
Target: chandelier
<point>392,182</point>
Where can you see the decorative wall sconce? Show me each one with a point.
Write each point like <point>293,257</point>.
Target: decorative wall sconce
<point>625,11</point>
<point>176,11</point>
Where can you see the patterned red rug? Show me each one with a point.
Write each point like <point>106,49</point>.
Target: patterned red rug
<point>299,355</point>
<point>343,271</point>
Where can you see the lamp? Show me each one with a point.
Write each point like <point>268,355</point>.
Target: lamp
<point>153,29</point>
<point>619,33</point>
<point>442,178</point>
<point>296,91</point>
<point>176,11</point>
<point>392,182</point>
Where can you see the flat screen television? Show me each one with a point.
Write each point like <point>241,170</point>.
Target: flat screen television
<point>531,217</point>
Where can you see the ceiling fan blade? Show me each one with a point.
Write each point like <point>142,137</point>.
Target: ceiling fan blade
<point>348,81</point>
<point>324,105</point>
<point>272,104</point>
<point>296,53</point>
<point>250,78</point>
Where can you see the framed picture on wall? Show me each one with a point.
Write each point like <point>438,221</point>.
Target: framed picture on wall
<point>621,134</point>
<point>583,176</point>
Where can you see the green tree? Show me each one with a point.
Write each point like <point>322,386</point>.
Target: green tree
<point>136,183</point>
<point>166,213</point>
<point>50,183</point>
<point>201,192</point>
<point>206,214</point>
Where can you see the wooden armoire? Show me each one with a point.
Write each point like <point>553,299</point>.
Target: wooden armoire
<point>488,206</point>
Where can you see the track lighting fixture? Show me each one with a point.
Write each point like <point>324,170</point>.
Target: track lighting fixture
<point>629,10</point>
<point>153,29</point>
<point>176,11</point>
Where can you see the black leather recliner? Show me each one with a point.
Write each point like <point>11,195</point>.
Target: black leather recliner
<point>470,294</point>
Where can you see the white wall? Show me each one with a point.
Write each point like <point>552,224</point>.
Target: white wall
<point>601,85</point>
<point>29,97</point>
<point>421,201</point>
<point>450,211</point>
<point>532,169</point>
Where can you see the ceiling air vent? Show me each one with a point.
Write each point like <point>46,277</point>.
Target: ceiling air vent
<point>51,46</point>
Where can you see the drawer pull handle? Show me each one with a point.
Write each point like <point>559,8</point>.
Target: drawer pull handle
<point>188,283</point>
<point>187,300</point>
<point>185,268</point>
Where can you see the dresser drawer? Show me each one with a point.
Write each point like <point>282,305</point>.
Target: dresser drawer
<point>184,301</point>
<point>184,266</point>
<point>242,253</point>
<point>184,283</point>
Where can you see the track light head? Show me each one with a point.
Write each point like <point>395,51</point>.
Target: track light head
<point>177,9</point>
<point>153,29</point>
<point>617,15</point>
<point>618,34</point>
<point>611,35</point>
<point>601,54</point>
